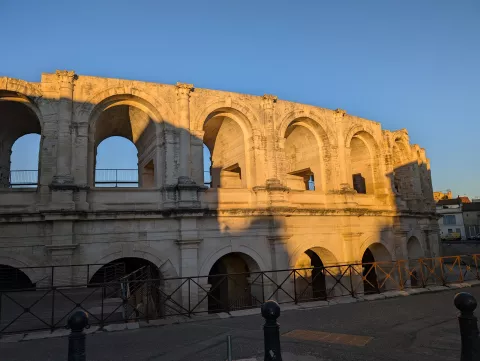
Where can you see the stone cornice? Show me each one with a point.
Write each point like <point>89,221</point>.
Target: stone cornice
<point>202,212</point>
<point>188,243</point>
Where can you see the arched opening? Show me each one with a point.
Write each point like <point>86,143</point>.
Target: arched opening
<point>132,121</point>
<point>116,163</point>
<point>231,283</point>
<point>134,282</point>
<point>18,120</point>
<point>310,277</point>
<point>24,161</point>
<point>361,165</point>
<point>373,271</point>
<point>12,278</point>
<point>122,267</point>
<point>225,140</point>
<point>303,158</point>
<point>207,166</point>
<point>415,252</point>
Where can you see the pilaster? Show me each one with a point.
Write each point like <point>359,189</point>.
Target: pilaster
<point>66,81</point>
<point>183,111</point>
<point>268,104</point>
<point>188,245</point>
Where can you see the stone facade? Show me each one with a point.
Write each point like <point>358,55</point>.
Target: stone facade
<point>372,190</point>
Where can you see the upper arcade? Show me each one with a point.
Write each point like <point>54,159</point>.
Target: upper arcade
<point>198,148</point>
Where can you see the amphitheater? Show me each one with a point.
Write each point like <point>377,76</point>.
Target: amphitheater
<point>287,185</point>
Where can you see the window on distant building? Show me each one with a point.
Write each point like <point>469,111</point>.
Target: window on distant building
<point>458,230</point>
<point>450,230</point>
<point>449,219</point>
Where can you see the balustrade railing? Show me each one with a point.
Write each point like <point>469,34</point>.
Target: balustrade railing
<point>23,178</point>
<point>116,178</point>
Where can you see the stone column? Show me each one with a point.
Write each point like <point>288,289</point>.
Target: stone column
<point>197,156</point>
<point>352,277</point>
<point>342,175</point>
<point>64,141</point>
<point>183,111</point>
<point>401,256</point>
<point>278,246</point>
<point>61,252</point>
<point>5,153</point>
<point>188,244</point>
<point>269,121</point>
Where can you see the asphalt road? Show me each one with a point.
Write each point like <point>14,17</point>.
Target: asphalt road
<point>410,328</point>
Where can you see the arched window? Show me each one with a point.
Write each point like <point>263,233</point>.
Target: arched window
<point>207,166</point>
<point>305,144</point>
<point>361,166</point>
<point>116,163</point>
<point>225,140</point>
<point>119,133</point>
<point>19,142</point>
<point>24,161</point>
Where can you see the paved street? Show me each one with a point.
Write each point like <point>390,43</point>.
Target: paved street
<point>410,328</point>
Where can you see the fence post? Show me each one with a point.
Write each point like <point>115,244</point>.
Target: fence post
<point>271,331</point>
<point>77,322</point>
<point>466,303</point>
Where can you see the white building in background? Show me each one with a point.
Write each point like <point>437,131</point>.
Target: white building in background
<point>451,218</point>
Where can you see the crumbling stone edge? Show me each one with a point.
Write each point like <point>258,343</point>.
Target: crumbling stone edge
<point>256,311</point>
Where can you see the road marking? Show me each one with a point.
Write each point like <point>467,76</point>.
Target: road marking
<point>328,337</point>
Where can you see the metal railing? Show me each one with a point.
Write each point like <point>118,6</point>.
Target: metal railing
<point>23,178</point>
<point>116,177</point>
<point>207,179</point>
<point>143,297</point>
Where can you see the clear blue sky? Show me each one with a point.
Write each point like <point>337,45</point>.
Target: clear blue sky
<point>411,64</point>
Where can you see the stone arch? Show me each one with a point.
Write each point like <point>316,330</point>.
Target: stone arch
<point>327,256</point>
<point>215,256</point>
<point>240,289</point>
<point>238,168</point>
<point>140,122</point>
<point>250,121</point>
<point>20,262</point>
<point>329,135</point>
<point>317,128</point>
<point>166,267</point>
<point>414,248</point>
<point>380,250</point>
<point>375,169</point>
<point>20,116</point>
<point>156,104</point>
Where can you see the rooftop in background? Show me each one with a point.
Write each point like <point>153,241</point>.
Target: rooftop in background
<point>455,201</point>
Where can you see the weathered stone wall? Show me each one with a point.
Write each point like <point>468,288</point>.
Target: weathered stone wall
<point>173,221</point>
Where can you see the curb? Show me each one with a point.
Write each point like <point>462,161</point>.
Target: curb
<point>241,313</point>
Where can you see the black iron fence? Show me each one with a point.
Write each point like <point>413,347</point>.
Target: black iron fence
<point>116,177</point>
<point>141,296</point>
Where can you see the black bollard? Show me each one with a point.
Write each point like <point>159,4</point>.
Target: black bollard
<point>466,303</point>
<point>271,331</point>
<point>77,322</point>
